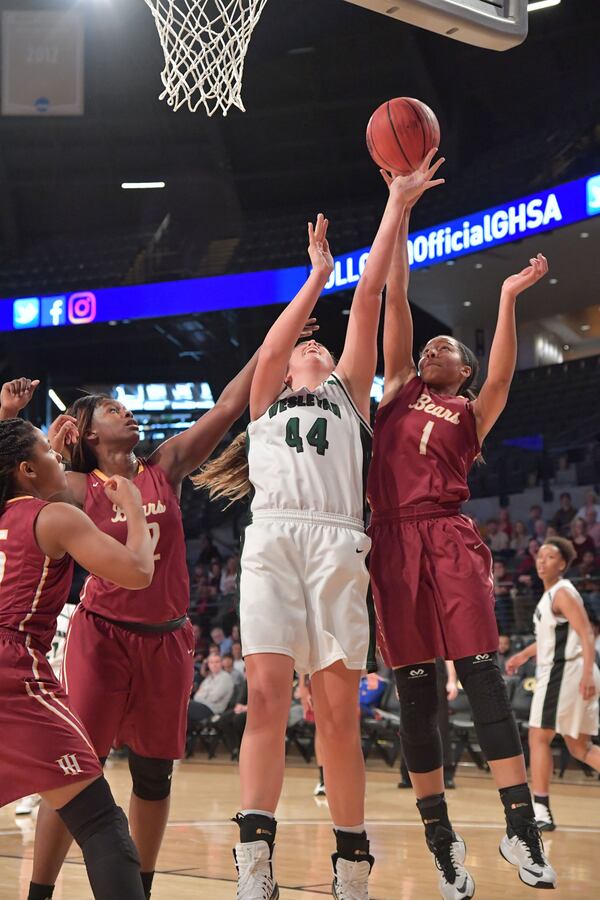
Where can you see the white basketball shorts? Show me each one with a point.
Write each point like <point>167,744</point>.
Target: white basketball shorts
<point>303,589</point>
<point>557,703</point>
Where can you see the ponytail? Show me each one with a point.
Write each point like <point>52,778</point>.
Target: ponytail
<point>469,359</point>
<point>226,476</point>
<point>17,440</point>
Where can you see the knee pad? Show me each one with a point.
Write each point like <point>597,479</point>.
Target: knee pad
<point>421,741</point>
<point>151,777</point>
<point>493,717</point>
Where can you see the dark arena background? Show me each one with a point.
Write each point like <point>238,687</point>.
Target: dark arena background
<point>159,294</point>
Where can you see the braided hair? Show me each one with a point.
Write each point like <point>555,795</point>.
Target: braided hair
<point>83,458</point>
<point>469,359</point>
<point>17,440</point>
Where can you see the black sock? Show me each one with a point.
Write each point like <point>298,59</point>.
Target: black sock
<point>40,891</point>
<point>147,879</point>
<point>321,776</point>
<point>256,828</point>
<point>100,828</point>
<point>518,807</point>
<point>545,801</point>
<point>434,814</point>
<point>352,846</point>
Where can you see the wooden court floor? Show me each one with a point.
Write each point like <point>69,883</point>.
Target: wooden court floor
<point>196,860</point>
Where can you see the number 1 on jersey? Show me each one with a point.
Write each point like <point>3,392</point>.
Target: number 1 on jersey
<point>425,438</point>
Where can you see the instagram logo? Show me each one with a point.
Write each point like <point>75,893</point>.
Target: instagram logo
<point>81,308</point>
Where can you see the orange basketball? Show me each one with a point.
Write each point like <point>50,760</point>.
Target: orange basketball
<point>400,133</point>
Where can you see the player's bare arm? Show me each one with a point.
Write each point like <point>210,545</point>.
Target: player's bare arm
<point>61,528</point>
<point>281,338</point>
<point>566,605</point>
<point>503,354</point>
<point>399,365</point>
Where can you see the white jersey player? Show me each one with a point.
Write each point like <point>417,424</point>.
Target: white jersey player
<point>304,580</point>
<point>565,700</point>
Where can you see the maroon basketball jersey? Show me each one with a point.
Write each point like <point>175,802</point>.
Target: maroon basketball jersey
<point>168,596</point>
<point>423,447</point>
<point>33,587</point>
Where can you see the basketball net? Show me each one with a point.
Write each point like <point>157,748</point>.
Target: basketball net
<point>204,44</point>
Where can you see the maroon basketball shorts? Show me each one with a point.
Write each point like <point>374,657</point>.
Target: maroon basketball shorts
<point>431,576</point>
<point>43,745</point>
<point>129,688</point>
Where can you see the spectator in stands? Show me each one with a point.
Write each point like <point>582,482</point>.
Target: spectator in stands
<point>218,637</point>
<point>504,649</point>
<point>200,641</point>
<point>235,632</point>
<point>207,550</point>
<point>586,575</point>
<point>238,660</point>
<point>591,502</point>
<point>232,723</point>
<point>229,576</point>
<point>371,690</point>
<point>214,575</point>
<point>535,513</point>
<point>520,538</point>
<point>503,584</point>
<point>564,515</point>
<point>581,539</point>
<point>539,531</point>
<point>201,594</point>
<point>529,588</point>
<point>593,526</point>
<point>551,532</point>
<point>213,695</point>
<point>504,521</point>
<point>228,666</point>
<point>496,540</point>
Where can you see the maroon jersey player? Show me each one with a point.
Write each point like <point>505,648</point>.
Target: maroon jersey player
<point>431,572</point>
<point>129,657</point>
<point>44,747</point>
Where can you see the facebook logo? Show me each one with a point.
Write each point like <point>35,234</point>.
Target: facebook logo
<point>26,312</point>
<point>592,191</point>
<point>54,310</point>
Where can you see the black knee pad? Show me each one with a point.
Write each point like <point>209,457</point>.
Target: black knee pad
<point>421,741</point>
<point>151,777</point>
<point>493,717</point>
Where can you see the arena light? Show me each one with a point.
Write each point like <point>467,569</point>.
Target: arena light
<point>143,185</point>
<point>56,400</point>
<point>541,4</point>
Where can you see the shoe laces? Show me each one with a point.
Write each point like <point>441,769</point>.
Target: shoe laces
<point>446,861</point>
<point>353,885</point>
<point>254,874</point>
<point>529,835</point>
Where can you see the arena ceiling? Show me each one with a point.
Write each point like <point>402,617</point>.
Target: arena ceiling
<point>315,71</point>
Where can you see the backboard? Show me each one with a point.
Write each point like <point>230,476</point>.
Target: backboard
<point>493,24</point>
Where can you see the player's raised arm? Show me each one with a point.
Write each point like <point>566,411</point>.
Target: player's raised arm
<point>281,338</point>
<point>565,604</point>
<point>503,355</point>
<point>60,529</point>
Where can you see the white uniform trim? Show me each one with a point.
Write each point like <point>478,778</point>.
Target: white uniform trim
<point>307,515</point>
<point>38,594</point>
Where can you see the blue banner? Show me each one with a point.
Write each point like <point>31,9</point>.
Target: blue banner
<point>562,205</point>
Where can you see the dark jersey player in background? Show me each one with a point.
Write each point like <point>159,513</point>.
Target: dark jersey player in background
<point>44,746</point>
<point>431,572</point>
<point>129,656</point>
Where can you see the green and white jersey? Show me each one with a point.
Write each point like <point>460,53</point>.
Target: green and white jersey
<point>310,451</point>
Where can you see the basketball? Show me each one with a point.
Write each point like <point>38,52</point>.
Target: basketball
<point>400,133</point>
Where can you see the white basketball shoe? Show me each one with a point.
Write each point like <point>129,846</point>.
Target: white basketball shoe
<point>543,817</point>
<point>351,879</point>
<point>27,805</point>
<point>450,851</point>
<point>525,850</point>
<point>254,863</point>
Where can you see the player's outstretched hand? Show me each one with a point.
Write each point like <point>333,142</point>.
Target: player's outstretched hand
<point>318,245</point>
<point>63,435</point>
<point>513,664</point>
<point>309,329</point>
<point>15,395</point>
<point>408,188</point>
<point>122,492</point>
<point>530,275</point>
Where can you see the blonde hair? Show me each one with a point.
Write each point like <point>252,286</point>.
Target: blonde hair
<point>226,476</point>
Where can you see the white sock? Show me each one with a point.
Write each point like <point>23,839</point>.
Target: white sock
<point>351,829</point>
<point>257,812</point>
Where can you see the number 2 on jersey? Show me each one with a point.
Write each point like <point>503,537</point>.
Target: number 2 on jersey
<point>154,529</point>
<point>425,438</point>
<point>316,436</point>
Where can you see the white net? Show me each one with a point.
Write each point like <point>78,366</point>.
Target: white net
<point>205,44</point>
